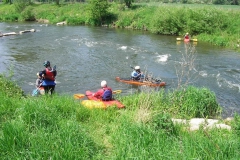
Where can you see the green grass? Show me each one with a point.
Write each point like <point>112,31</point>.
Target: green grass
<point>59,127</point>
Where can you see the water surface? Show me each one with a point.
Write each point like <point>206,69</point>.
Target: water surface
<point>86,55</point>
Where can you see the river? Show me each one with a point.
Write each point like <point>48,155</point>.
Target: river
<point>86,55</point>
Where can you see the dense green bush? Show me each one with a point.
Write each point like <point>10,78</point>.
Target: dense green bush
<point>20,5</point>
<point>98,11</point>
<point>195,102</point>
<point>27,14</point>
<point>162,122</point>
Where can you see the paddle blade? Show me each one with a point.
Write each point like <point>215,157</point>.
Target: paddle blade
<point>35,92</point>
<point>117,91</point>
<point>179,39</point>
<point>78,96</point>
<point>194,40</point>
<point>54,68</point>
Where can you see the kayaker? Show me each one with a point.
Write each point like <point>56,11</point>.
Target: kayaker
<point>39,79</point>
<point>187,37</point>
<point>105,93</point>
<point>38,84</point>
<point>137,74</point>
<point>39,89</point>
<point>49,75</point>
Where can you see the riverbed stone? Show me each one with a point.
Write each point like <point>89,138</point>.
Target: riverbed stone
<point>42,20</point>
<point>9,34</point>
<point>26,31</point>
<point>195,123</point>
<point>61,23</point>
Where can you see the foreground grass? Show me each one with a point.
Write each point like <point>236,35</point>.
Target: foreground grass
<point>59,127</point>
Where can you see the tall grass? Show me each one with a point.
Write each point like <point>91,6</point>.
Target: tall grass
<point>59,127</point>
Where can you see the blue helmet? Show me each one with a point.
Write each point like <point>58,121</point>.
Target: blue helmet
<point>46,63</point>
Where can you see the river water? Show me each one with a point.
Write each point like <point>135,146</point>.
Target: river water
<point>86,55</point>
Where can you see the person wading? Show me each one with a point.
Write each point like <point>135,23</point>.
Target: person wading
<point>49,75</point>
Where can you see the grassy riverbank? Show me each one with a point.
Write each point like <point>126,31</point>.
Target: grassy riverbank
<point>59,127</point>
<point>209,23</point>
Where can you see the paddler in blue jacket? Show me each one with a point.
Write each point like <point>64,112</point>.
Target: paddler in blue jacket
<point>49,75</point>
<point>137,74</point>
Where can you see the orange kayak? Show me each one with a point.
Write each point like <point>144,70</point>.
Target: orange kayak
<point>93,102</point>
<point>141,83</point>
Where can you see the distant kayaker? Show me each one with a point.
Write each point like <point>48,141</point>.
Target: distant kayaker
<point>49,75</point>
<point>137,74</point>
<point>105,93</point>
<point>187,37</point>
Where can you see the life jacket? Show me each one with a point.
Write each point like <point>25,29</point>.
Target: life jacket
<point>107,94</point>
<point>136,76</point>
<point>49,75</point>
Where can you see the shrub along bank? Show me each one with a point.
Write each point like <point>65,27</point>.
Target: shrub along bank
<point>217,25</point>
<point>59,127</point>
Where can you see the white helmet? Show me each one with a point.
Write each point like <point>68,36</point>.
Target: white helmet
<point>137,67</point>
<point>103,84</point>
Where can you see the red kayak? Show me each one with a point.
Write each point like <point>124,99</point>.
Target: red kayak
<point>141,83</point>
<point>97,103</point>
<point>186,40</point>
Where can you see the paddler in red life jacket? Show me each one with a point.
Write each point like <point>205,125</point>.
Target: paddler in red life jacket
<point>49,75</point>
<point>187,37</point>
<point>105,93</point>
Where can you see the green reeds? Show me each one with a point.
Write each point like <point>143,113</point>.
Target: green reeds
<point>59,127</point>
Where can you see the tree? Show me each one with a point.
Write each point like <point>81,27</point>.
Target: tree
<point>234,2</point>
<point>128,3</point>
<point>97,10</point>
<point>57,2</point>
<point>20,5</point>
<point>7,1</point>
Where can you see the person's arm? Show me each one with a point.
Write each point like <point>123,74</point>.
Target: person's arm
<point>140,75</point>
<point>98,94</point>
<point>43,73</point>
<point>37,83</point>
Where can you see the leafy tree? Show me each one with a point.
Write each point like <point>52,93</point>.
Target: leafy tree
<point>7,1</point>
<point>128,3</point>
<point>20,5</point>
<point>234,2</point>
<point>219,1</point>
<point>97,10</point>
<point>57,2</point>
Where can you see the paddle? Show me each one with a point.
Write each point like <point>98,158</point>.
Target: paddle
<point>35,91</point>
<point>80,95</point>
<point>54,68</point>
<point>181,39</point>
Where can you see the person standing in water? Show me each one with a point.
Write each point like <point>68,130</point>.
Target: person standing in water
<point>49,75</point>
